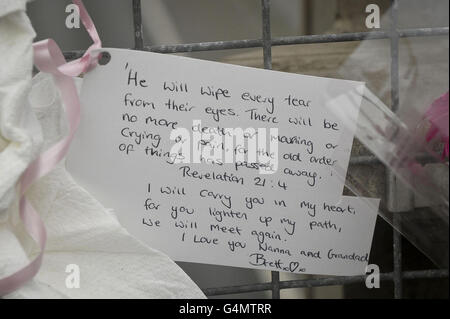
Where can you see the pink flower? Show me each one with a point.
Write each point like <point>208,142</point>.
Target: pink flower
<point>437,114</point>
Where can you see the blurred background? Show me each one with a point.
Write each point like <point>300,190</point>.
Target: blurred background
<point>423,77</point>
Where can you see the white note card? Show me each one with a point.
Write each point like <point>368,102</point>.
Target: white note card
<point>222,164</point>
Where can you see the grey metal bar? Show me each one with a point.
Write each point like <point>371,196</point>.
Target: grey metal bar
<point>372,159</point>
<point>305,39</point>
<point>336,281</point>
<point>397,237</point>
<point>137,21</point>
<point>327,281</point>
<point>267,56</point>
<point>364,160</point>
<point>358,36</point>
<point>394,39</point>
<point>397,252</point>
<point>422,32</point>
<point>275,281</point>
<point>266,36</point>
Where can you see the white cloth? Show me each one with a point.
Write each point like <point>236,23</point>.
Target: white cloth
<point>80,230</point>
<point>16,129</point>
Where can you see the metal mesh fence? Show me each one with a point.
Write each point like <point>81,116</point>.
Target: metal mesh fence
<point>266,43</point>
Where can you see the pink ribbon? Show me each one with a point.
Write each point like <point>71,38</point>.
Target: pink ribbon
<point>49,59</point>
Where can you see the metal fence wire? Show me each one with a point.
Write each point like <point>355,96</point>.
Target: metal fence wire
<point>266,42</point>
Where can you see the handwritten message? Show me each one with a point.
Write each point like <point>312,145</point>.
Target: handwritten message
<point>223,164</point>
